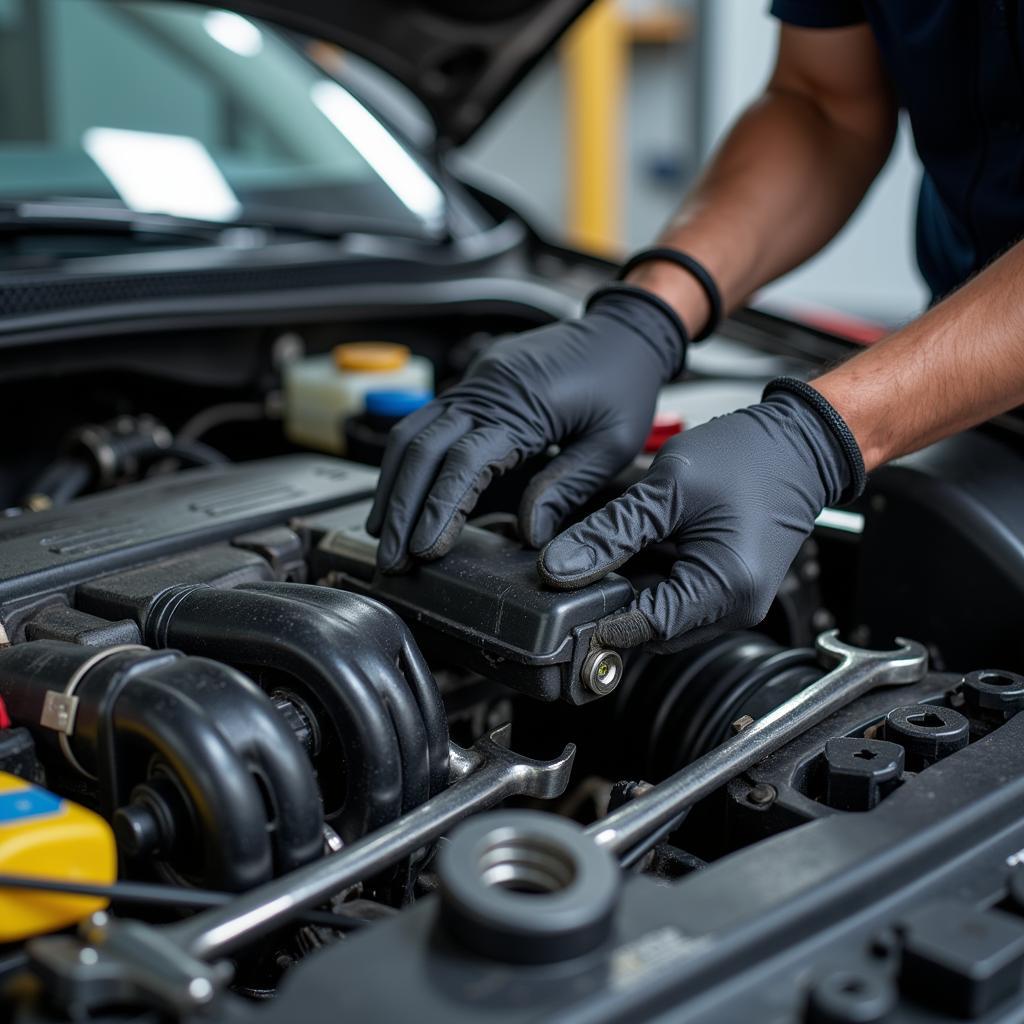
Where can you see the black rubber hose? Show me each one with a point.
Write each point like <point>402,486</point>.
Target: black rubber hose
<point>391,642</point>
<point>75,472</point>
<point>400,702</point>
<point>214,729</point>
<point>671,709</point>
<point>223,794</point>
<point>322,653</point>
<point>62,480</point>
<point>194,453</point>
<point>262,738</point>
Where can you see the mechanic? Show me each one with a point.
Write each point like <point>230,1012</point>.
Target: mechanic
<point>737,496</point>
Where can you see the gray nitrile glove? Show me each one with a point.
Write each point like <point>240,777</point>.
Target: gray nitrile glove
<point>588,385</point>
<point>737,497</point>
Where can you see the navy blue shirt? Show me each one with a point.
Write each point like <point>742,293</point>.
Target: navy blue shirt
<point>956,66</point>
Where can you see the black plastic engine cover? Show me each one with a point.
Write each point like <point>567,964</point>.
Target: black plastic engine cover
<point>482,602</point>
<point>482,606</point>
<point>45,553</point>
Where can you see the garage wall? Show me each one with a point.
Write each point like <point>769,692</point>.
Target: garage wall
<point>869,269</point>
<point>523,146</point>
<point>680,101</point>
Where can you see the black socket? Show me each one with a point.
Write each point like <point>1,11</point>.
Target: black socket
<point>992,690</point>
<point>860,772</point>
<point>927,733</point>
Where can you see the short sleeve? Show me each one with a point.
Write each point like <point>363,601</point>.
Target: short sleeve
<point>819,13</point>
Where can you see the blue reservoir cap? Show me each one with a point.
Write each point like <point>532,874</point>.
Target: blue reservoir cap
<point>393,405</point>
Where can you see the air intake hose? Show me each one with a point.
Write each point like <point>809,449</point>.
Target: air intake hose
<point>670,709</point>
<point>195,766</point>
<point>352,662</point>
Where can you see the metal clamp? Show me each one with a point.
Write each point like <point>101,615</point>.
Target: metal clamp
<point>60,707</point>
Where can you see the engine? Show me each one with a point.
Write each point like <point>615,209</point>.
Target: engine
<point>435,794</point>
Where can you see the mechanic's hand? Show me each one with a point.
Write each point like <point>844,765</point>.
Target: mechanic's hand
<point>736,497</point>
<point>588,385</point>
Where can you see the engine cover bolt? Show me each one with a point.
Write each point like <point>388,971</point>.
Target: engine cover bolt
<point>762,794</point>
<point>602,671</point>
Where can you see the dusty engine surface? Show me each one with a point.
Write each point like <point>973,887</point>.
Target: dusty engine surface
<point>308,772</point>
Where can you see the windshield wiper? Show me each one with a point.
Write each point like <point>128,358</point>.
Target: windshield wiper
<point>86,216</point>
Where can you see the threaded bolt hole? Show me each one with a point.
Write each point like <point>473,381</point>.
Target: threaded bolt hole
<point>527,865</point>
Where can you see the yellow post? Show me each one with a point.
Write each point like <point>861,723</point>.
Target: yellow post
<point>595,60</point>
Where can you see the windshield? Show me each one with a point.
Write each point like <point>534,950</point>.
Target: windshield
<point>189,110</point>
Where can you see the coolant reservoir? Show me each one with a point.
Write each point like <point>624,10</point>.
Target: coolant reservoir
<point>322,391</point>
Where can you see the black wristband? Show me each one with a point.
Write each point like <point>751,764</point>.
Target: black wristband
<point>688,263</point>
<point>835,423</point>
<point>617,288</point>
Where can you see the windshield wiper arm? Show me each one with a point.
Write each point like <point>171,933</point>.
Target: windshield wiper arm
<point>25,216</point>
<point>29,216</point>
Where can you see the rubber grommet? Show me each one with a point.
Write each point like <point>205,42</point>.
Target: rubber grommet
<point>527,887</point>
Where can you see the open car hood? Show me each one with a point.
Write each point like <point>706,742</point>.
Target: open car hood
<point>460,57</point>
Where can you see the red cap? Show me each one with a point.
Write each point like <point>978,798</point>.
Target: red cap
<point>5,719</point>
<point>665,425</point>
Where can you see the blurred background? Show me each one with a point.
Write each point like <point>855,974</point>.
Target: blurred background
<point>603,139</point>
<point>595,147</point>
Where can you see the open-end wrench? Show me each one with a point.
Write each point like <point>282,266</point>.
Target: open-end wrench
<point>484,775</point>
<point>170,963</point>
<point>857,671</point>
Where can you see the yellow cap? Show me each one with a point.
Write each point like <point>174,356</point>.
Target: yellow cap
<point>371,356</point>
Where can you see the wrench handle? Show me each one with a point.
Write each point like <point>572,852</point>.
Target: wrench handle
<point>858,672</point>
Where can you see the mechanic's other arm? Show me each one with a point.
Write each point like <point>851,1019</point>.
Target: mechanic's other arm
<point>740,494</point>
<point>787,178</point>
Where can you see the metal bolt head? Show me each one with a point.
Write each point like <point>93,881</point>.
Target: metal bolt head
<point>602,671</point>
<point>200,989</point>
<point>93,929</point>
<point>762,794</point>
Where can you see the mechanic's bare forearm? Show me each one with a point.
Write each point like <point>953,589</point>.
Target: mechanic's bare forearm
<point>787,177</point>
<point>959,364</point>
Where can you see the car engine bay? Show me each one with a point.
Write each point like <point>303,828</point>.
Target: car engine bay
<point>432,795</point>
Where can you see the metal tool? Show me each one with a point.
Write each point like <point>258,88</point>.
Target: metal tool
<point>118,952</point>
<point>857,672</point>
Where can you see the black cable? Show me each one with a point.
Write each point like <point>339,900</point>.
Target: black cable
<point>165,895</point>
<point>63,480</point>
<point>648,843</point>
<point>195,453</point>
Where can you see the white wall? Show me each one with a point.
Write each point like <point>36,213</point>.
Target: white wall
<point>869,268</point>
